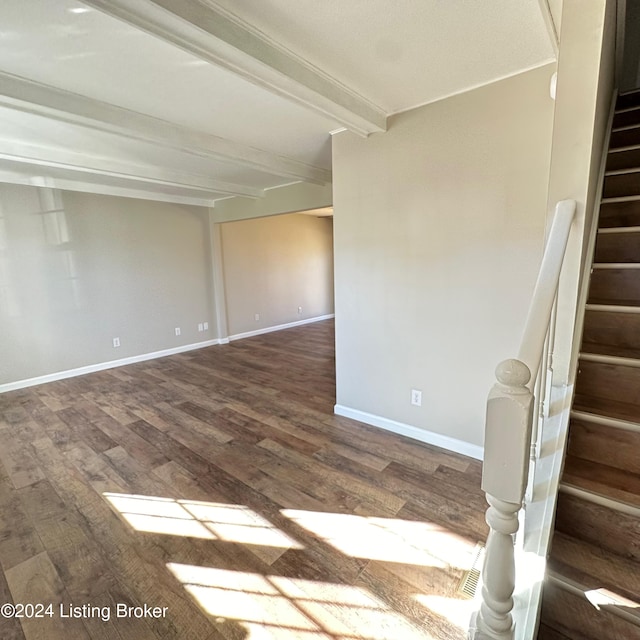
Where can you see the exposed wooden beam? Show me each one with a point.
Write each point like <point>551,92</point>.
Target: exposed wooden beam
<point>43,100</point>
<point>213,34</point>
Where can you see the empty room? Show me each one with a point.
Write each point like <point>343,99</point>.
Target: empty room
<point>317,320</point>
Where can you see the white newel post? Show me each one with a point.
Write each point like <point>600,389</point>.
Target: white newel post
<point>504,480</point>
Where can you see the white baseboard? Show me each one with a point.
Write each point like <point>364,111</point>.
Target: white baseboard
<point>101,366</point>
<point>429,437</point>
<point>279,327</point>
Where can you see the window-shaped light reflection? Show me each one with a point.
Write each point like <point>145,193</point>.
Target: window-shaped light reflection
<point>388,539</point>
<point>292,608</point>
<point>197,519</point>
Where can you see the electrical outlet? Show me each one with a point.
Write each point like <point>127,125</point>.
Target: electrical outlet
<point>178,331</point>
<point>257,317</point>
<point>205,326</point>
<point>200,326</point>
<point>116,342</point>
<point>299,310</point>
<point>416,397</point>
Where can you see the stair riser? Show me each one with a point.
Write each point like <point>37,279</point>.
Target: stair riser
<point>576,618</point>
<point>608,382</point>
<point>611,333</point>
<point>626,118</point>
<point>625,138</point>
<point>627,184</point>
<point>623,160</point>
<point>628,100</point>
<point>609,529</point>
<point>618,247</point>
<point>615,286</point>
<point>605,445</point>
<point>620,214</point>
<point>547,633</point>
<point>588,565</point>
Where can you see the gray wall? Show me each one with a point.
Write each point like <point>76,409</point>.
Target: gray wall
<point>77,270</point>
<point>439,227</point>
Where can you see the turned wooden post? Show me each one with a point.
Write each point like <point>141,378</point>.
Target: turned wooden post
<point>504,480</point>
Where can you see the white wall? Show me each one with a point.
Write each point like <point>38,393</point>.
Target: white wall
<point>77,270</point>
<point>438,235</point>
<point>274,265</point>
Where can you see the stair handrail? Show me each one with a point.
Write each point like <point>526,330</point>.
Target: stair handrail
<point>511,414</point>
<point>544,293</point>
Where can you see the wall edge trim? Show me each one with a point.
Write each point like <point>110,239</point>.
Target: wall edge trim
<point>423,435</point>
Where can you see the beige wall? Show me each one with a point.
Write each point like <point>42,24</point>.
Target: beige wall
<point>438,235</point>
<point>274,265</point>
<point>77,270</point>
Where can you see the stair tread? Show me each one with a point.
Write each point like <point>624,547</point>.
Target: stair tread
<point>624,171</point>
<point>610,350</point>
<point>595,567</point>
<point>576,618</point>
<point>618,230</point>
<point>603,479</point>
<point>625,127</point>
<point>619,302</point>
<point>613,307</point>
<point>579,414</point>
<point>607,408</point>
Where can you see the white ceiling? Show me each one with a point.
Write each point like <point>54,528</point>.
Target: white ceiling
<point>195,100</point>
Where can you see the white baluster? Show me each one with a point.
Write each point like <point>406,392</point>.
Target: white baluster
<point>504,479</point>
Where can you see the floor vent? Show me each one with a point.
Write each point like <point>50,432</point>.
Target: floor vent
<point>469,582</point>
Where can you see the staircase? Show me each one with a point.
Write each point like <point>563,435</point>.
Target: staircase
<point>592,590</point>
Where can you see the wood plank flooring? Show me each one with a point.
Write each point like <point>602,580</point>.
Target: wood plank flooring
<point>218,484</point>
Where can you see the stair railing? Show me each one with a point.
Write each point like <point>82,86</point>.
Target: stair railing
<point>515,404</point>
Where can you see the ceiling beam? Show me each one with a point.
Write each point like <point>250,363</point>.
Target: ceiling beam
<point>213,34</point>
<point>40,177</point>
<point>73,161</point>
<point>290,198</point>
<point>33,97</point>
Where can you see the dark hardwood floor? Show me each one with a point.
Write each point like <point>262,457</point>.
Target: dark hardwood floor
<point>219,485</point>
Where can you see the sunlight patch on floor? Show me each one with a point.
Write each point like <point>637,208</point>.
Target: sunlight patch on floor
<point>603,597</point>
<point>278,607</point>
<point>388,539</point>
<point>196,519</point>
<point>456,611</point>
